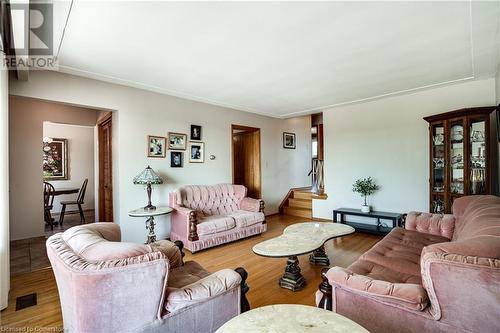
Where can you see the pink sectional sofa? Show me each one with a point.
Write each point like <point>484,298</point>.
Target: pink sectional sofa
<point>106,285</point>
<point>206,216</point>
<point>440,274</point>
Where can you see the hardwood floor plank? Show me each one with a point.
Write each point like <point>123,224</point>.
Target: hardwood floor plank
<point>263,275</point>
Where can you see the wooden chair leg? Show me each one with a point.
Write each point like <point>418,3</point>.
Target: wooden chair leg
<point>82,216</point>
<point>61,217</point>
<point>244,305</point>
<point>48,219</point>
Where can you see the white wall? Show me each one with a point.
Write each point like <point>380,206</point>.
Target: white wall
<point>387,139</point>
<point>26,117</point>
<point>80,161</point>
<point>4,186</point>
<point>141,113</point>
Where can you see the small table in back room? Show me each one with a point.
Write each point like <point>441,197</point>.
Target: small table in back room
<point>150,221</point>
<point>379,229</point>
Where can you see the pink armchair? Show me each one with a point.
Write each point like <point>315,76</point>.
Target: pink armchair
<point>440,274</point>
<point>110,286</point>
<point>206,216</point>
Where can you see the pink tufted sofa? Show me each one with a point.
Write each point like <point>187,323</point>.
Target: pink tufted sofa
<point>206,216</point>
<point>440,274</point>
<point>110,286</point>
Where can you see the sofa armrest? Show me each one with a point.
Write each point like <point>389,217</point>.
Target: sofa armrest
<point>435,224</point>
<point>403,295</point>
<point>173,251</point>
<point>252,205</point>
<point>460,277</point>
<point>184,222</point>
<point>204,289</point>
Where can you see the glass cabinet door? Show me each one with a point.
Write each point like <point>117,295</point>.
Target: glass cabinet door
<point>457,156</point>
<point>477,176</point>
<point>438,167</point>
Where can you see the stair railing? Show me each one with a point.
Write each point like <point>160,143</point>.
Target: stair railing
<point>318,185</point>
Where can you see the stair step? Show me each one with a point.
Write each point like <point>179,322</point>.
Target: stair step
<point>301,203</point>
<point>300,212</point>
<point>302,195</point>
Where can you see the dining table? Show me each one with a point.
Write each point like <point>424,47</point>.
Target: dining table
<point>66,190</point>
<point>60,191</point>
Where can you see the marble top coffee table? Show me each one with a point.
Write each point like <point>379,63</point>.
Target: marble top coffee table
<point>290,318</point>
<point>298,239</point>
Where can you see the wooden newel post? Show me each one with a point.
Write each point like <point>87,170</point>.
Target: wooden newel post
<point>326,289</point>
<point>193,234</point>
<point>262,205</point>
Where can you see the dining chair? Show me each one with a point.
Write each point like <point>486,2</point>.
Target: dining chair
<point>48,203</point>
<point>78,202</point>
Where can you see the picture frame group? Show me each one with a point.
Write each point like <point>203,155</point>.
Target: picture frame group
<point>177,143</point>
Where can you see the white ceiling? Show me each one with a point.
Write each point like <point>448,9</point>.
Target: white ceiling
<point>280,58</point>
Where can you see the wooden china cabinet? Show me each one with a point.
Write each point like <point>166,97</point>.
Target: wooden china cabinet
<point>461,156</point>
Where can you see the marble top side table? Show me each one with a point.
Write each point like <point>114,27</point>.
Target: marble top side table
<point>290,318</point>
<point>150,223</point>
<point>298,239</point>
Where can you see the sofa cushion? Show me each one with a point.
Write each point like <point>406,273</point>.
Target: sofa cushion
<point>245,218</point>
<point>212,224</point>
<point>379,272</point>
<point>399,252</point>
<point>436,224</point>
<point>201,290</point>
<point>191,272</point>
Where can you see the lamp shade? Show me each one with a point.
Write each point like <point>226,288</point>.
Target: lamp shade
<point>148,177</point>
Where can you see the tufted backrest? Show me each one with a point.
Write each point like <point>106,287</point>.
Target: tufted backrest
<point>218,199</point>
<point>101,241</point>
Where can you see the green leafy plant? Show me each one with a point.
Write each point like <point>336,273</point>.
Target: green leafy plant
<point>365,187</point>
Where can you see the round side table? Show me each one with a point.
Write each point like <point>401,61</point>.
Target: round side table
<point>150,221</point>
<point>290,318</point>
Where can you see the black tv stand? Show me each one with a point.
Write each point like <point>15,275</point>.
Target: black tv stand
<point>378,229</point>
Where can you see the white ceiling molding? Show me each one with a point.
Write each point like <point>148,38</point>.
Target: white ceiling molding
<point>281,59</point>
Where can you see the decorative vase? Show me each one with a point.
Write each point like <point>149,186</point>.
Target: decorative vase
<point>365,208</point>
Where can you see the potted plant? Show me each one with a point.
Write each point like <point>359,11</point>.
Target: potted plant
<point>365,187</point>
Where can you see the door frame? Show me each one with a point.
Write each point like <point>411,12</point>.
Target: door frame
<point>100,166</point>
<point>256,132</point>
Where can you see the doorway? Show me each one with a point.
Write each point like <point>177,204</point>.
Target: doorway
<point>317,158</point>
<point>104,132</point>
<point>246,158</point>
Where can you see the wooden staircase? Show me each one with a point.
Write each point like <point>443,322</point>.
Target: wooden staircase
<point>298,202</point>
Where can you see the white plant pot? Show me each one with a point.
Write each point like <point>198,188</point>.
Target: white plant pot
<point>366,208</point>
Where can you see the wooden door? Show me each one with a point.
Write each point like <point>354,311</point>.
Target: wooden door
<point>246,159</point>
<point>105,169</point>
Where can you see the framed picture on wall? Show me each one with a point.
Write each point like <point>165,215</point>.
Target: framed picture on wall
<point>196,152</point>
<point>156,146</point>
<point>177,141</point>
<point>55,159</point>
<point>195,132</point>
<point>176,159</point>
<point>289,140</point>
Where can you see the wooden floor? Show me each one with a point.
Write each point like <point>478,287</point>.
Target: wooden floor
<point>28,255</point>
<point>263,276</point>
